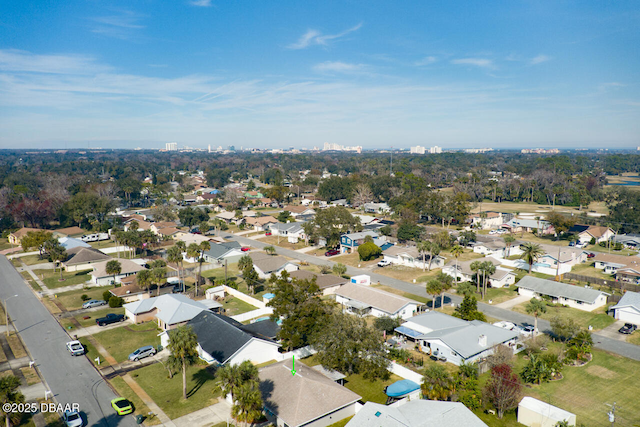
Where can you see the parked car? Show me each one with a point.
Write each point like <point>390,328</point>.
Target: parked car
<point>572,243</point>
<point>75,348</point>
<point>526,330</point>
<point>109,319</point>
<point>72,419</point>
<point>591,255</point>
<point>142,352</point>
<point>627,329</point>
<point>384,263</point>
<point>122,406</point>
<point>505,325</point>
<point>94,303</point>
<point>332,252</point>
<point>268,233</point>
<point>581,245</point>
<point>245,248</point>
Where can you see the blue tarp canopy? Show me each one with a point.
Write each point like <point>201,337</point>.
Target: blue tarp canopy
<point>407,331</point>
<point>401,388</point>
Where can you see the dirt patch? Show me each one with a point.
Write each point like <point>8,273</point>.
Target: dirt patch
<point>601,372</point>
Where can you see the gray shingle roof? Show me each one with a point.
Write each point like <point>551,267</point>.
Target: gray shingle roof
<point>629,299</point>
<point>172,309</point>
<point>416,413</point>
<point>301,398</point>
<point>322,280</point>
<point>218,250</point>
<point>435,320</point>
<point>557,289</point>
<point>80,255</point>
<point>268,263</point>
<point>376,298</point>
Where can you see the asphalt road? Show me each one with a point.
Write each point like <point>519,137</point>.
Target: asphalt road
<point>71,379</point>
<point>602,342</point>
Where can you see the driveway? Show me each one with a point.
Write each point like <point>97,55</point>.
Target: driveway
<point>71,379</point>
<point>92,330</point>
<point>600,341</point>
<point>513,302</point>
<point>611,331</point>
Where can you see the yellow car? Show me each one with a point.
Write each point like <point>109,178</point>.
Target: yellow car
<point>122,406</point>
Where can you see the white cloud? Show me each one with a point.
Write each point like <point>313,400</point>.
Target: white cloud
<point>337,66</point>
<point>314,37</point>
<point>426,61</point>
<point>539,59</point>
<point>122,25</point>
<point>22,61</point>
<point>201,3</point>
<point>478,62</point>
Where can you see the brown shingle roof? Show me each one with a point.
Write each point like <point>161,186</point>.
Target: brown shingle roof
<point>296,209</point>
<point>69,231</point>
<point>301,398</point>
<point>261,220</point>
<point>126,290</point>
<point>23,232</point>
<point>322,280</point>
<point>127,267</point>
<point>597,231</point>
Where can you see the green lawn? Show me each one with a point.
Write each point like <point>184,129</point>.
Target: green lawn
<point>341,423</point>
<point>93,315</point>
<point>498,295</point>
<point>598,318</point>
<point>634,338</point>
<point>92,353</point>
<point>202,388</point>
<point>30,260</point>
<point>218,273</point>
<point>125,391</point>
<point>71,300</point>
<point>587,269</point>
<point>233,306</point>
<point>120,342</point>
<point>4,244</point>
<point>418,298</point>
<point>52,279</point>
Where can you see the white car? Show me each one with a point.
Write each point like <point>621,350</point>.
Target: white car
<point>384,263</point>
<point>505,325</point>
<point>75,348</point>
<point>527,331</point>
<point>72,419</point>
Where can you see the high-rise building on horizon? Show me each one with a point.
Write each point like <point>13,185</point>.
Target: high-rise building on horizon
<point>417,150</point>
<point>337,147</point>
<point>171,146</point>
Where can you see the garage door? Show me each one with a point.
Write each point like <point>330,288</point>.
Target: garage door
<point>628,315</point>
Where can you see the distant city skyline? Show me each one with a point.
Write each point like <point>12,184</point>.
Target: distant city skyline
<point>505,74</point>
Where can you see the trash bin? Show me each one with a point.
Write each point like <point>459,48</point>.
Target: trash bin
<point>139,419</point>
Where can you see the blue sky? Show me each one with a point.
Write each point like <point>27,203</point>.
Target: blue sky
<point>504,74</point>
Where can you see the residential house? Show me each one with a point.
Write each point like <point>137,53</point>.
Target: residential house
<point>296,211</point>
<point>15,238</point>
<point>293,231</point>
<point>628,308</point>
<point>100,277</point>
<point>170,310</point>
<point>378,208</point>
<point>251,195</point>
<point>409,256</point>
<point>261,223</point>
<point>502,277</point>
<point>366,219</point>
<point>222,340</point>
<point>227,216</point>
<point>221,252</point>
<point>588,232</point>
<point>169,232</point>
<point>350,242</point>
<point>157,226</point>
<point>582,298</point>
<point>340,202</point>
<point>628,240</point>
<point>265,202</point>
<point>497,248</point>
<point>266,265</point>
<point>536,413</point>
<point>455,339</point>
<point>622,268</point>
<point>415,413</point>
<point>307,398</point>
<point>328,283</point>
<point>81,258</point>
<point>71,242</point>
<point>189,238</point>
<point>367,301</point>
<point>206,197</point>
<point>568,259</point>
<point>486,220</point>
<point>517,225</point>
<point>68,232</point>
<point>130,293</point>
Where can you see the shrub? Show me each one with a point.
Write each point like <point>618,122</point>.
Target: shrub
<point>106,295</point>
<point>85,297</point>
<point>369,251</point>
<point>386,323</point>
<point>325,269</point>
<point>592,241</point>
<point>115,302</point>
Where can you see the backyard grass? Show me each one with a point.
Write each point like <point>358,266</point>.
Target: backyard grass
<point>103,244</point>
<point>125,391</point>
<point>587,269</point>
<point>233,306</point>
<point>341,423</point>
<point>120,342</point>
<point>30,260</point>
<point>354,260</point>
<point>92,316</point>
<point>370,391</point>
<point>202,388</point>
<point>498,295</point>
<point>598,319</point>
<point>408,274</point>
<point>634,338</point>
<point>71,299</point>
<point>4,244</point>
<point>52,278</point>
<point>218,273</point>
<point>418,298</point>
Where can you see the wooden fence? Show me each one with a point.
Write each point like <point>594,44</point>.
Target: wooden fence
<point>622,286</point>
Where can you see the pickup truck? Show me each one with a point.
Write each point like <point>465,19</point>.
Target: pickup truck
<point>109,319</point>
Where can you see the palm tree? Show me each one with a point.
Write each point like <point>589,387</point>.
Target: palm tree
<point>435,251</point>
<point>437,383</point>
<point>248,403</point>
<point>10,393</point>
<point>158,275</point>
<point>424,246</point>
<point>270,250</point>
<point>475,267</point>
<point>488,269</point>
<point>434,288</point>
<point>445,284</point>
<point>175,255</point>
<point>531,252</point>
<point>113,268</point>
<point>456,251</point>
<point>183,344</point>
<point>193,251</point>
<point>508,241</point>
<point>144,278</point>
<point>204,246</point>
<point>536,307</point>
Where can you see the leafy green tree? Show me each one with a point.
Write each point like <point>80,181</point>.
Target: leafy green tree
<point>564,328</point>
<point>190,217</point>
<point>302,311</point>
<point>115,302</point>
<point>183,343</point>
<point>245,262</point>
<point>36,239</point>
<point>535,371</point>
<point>284,217</point>
<point>446,282</point>
<point>467,237</point>
<point>468,309</point>
<point>409,231</point>
<point>434,288</point>
<point>368,251</point>
<point>325,269</point>
<point>251,277</point>
<point>348,345</point>
<point>580,345</point>
<point>531,252</point>
<point>113,268</point>
<point>57,252</point>
<point>270,250</point>
<point>437,383</point>
<point>339,269</point>
<point>331,223</point>
<point>10,393</point>
<point>536,307</point>
<point>444,239</point>
<point>387,324</point>
<point>466,288</point>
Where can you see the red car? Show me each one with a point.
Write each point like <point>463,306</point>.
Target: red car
<point>332,252</point>
<point>591,255</point>
<point>268,233</point>
<point>245,249</point>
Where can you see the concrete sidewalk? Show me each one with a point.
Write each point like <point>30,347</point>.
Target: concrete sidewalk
<point>33,392</point>
<point>91,330</point>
